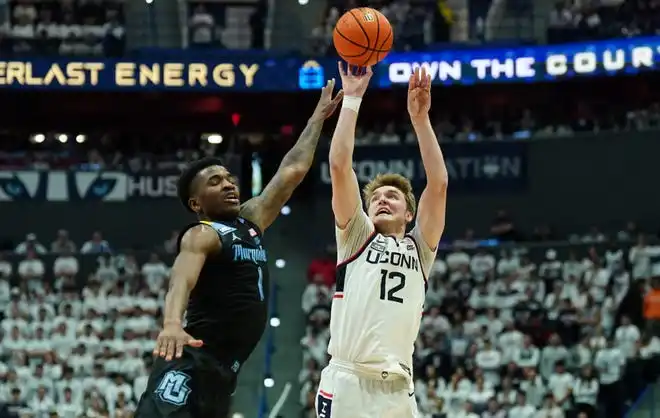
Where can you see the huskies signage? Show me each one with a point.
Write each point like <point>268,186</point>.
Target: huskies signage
<point>473,167</point>
<point>71,186</point>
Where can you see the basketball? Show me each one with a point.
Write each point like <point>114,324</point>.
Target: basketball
<point>363,36</point>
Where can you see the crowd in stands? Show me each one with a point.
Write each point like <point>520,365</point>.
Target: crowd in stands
<point>524,330</point>
<point>418,24</point>
<point>227,26</point>
<point>577,20</point>
<point>66,27</point>
<point>78,327</point>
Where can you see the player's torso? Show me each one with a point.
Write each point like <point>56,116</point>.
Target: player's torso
<point>377,306</point>
<point>230,301</point>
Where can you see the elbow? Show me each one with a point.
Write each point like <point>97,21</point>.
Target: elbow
<point>339,162</point>
<point>439,183</point>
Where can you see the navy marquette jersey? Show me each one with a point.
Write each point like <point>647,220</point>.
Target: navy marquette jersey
<point>228,307</point>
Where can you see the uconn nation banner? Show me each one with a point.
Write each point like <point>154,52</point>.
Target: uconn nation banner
<point>72,186</point>
<point>486,167</point>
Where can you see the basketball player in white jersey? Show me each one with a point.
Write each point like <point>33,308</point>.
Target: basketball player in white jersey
<point>381,271</point>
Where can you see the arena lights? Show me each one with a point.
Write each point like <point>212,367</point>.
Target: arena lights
<point>303,2</point>
<point>238,415</point>
<point>286,210</point>
<point>275,321</point>
<point>38,138</point>
<point>81,138</point>
<point>269,382</point>
<point>280,263</point>
<point>212,138</point>
<point>62,138</point>
<point>148,1</point>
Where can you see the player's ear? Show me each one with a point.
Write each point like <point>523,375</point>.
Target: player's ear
<point>409,216</point>
<point>193,203</point>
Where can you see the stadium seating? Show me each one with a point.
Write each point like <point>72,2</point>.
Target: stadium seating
<point>65,27</point>
<point>78,327</point>
<point>509,329</point>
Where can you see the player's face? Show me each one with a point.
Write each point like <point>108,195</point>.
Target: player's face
<point>218,193</point>
<point>388,210</point>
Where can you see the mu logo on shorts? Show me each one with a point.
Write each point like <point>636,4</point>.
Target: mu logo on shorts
<point>173,388</point>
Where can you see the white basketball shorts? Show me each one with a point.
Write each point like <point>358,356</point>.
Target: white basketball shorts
<point>343,394</point>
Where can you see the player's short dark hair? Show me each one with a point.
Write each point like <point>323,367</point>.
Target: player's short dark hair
<point>186,178</point>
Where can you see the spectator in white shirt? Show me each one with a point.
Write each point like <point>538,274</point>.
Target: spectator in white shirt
<point>610,362</point>
<point>528,355</point>
<point>626,337</point>
<point>68,405</point>
<point>30,243</point>
<point>96,245</point>
<point>494,410</point>
<point>202,26</point>
<point>533,387</point>
<point>65,269</point>
<point>482,264</point>
<point>550,409</point>
<point>154,272</point>
<point>551,354</point>
<point>6,268</point>
<point>560,384</point>
<point>522,409</point>
<point>489,359</point>
<point>31,270</point>
<point>480,393</point>
<point>41,403</point>
<point>585,392</point>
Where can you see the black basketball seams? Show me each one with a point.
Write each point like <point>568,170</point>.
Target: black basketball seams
<point>366,61</point>
<point>366,35</point>
<point>383,43</point>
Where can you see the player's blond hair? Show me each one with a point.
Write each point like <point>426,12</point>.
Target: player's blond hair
<point>395,180</point>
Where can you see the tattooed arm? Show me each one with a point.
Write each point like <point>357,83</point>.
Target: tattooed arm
<point>263,209</point>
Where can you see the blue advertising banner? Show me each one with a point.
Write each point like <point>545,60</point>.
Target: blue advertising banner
<point>527,64</point>
<point>483,167</point>
<point>75,186</point>
<point>190,70</point>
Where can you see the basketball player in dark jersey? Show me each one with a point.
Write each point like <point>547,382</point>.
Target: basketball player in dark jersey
<point>220,279</point>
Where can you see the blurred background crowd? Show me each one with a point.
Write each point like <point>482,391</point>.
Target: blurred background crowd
<point>544,301</point>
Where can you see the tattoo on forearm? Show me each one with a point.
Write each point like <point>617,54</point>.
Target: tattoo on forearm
<point>303,151</point>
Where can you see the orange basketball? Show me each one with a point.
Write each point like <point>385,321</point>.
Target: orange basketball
<point>363,36</point>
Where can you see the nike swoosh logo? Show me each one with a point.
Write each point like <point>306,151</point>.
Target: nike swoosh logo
<point>411,394</point>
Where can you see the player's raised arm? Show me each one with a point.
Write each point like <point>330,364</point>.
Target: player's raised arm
<point>264,209</point>
<point>345,188</point>
<point>433,202</point>
<point>196,244</point>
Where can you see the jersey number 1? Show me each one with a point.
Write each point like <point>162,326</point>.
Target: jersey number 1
<point>398,278</point>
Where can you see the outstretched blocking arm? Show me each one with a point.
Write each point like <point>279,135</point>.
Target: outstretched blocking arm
<point>345,188</point>
<point>432,207</point>
<point>262,210</point>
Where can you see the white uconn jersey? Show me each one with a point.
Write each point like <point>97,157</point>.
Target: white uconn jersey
<point>380,291</point>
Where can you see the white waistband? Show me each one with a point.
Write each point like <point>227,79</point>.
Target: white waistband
<point>366,371</point>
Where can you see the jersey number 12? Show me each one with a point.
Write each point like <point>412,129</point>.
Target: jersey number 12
<point>399,282</point>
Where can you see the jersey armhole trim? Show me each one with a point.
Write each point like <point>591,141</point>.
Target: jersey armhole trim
<point>359,251</point>
<point>419,256</point>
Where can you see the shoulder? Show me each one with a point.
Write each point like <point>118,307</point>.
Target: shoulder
<point>200,237</point>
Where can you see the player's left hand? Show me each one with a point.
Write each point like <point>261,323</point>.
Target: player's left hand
<point>327,105</point>
<point>419,93</point>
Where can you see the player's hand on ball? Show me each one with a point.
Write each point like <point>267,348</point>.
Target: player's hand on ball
<point>171,341</point>
<point>354,80</point>
<point>327,105</point>
<point>419,93</point>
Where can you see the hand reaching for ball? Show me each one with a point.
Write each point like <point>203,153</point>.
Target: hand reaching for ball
<point>354,80</point>
<point>419,94</point>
